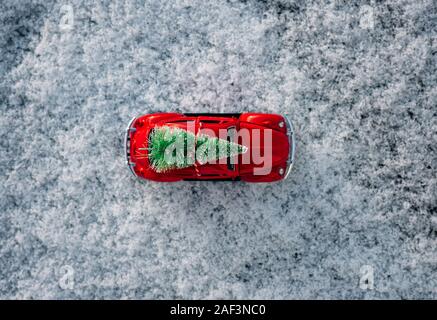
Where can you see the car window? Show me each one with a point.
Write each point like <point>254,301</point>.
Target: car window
<point>231,138</point>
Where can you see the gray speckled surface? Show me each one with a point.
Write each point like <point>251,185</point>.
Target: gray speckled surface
<point>357,78</point>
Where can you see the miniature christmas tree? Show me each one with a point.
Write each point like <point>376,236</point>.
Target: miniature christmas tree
<point>175,148</point>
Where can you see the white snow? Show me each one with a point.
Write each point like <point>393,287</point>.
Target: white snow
<point>361,91</point>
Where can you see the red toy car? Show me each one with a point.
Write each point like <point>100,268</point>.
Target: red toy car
<point>264,146</point>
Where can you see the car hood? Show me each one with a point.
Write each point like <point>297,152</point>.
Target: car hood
<point>272,152</point>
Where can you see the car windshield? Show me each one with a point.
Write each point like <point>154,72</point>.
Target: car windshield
<point>231,137</point>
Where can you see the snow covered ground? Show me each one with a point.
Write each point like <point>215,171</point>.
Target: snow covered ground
<point>358,79</point>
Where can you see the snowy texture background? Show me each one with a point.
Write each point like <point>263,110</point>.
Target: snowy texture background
<point>358,79</point>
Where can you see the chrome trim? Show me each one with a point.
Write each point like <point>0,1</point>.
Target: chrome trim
<point>292,142</point>
<point>127,146</point>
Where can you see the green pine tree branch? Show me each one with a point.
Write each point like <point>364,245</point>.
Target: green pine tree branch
<point>174,148</point>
